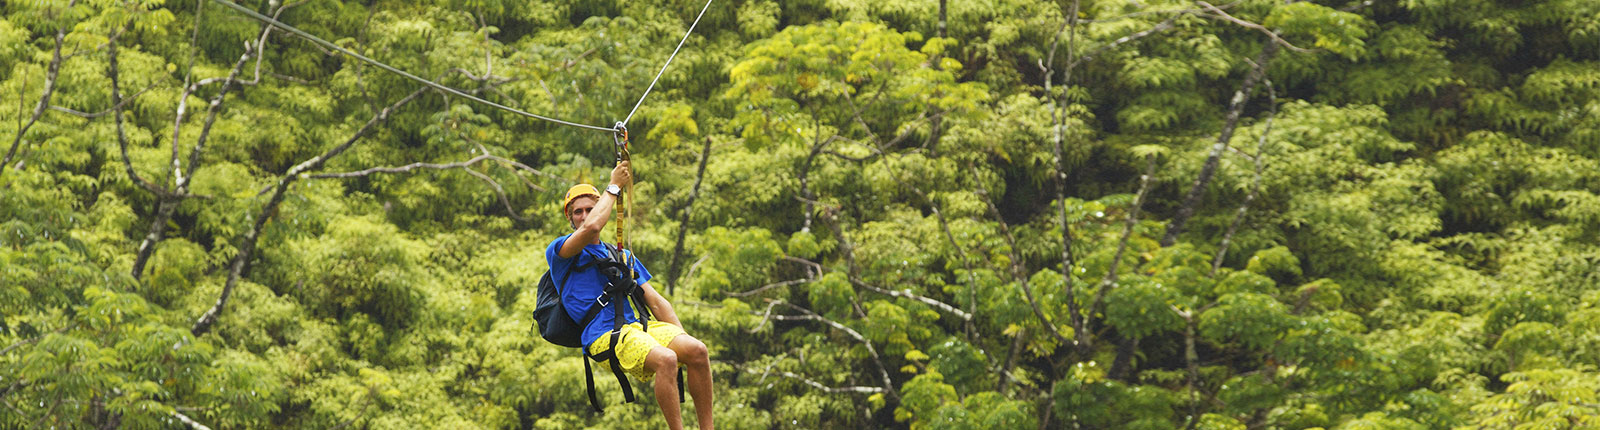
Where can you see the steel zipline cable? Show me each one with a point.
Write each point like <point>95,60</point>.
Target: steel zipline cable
<point>619,131</point>
<point>376,63</point>
<point>669,62</point>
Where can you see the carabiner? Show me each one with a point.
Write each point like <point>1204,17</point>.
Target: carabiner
<point>619,136</point>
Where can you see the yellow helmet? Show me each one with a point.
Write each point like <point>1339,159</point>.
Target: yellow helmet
<point>575,192</point>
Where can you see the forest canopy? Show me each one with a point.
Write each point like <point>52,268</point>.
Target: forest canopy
<point>923,214</point>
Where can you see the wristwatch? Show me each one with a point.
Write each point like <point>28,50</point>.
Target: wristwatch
<point>614,190</point>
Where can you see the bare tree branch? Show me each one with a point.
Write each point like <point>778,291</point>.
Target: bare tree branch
<point>402,169</point>
<point>1011,360</point>
<point>807,314</point>
<point>818,385</point>
<point>574,60</point>
<point>261,42</point>
<point>806,194</point>
<point>189,421</point>
<point>955,246</point>
<point>166,204</point>
<point>498,191</point>
<point>768,287</point>
<point>50,74</point>
<point>1235,108</point>
<point>696,265</point>
<point>212,110</point>
<point>1255,185</point>
<point>1250,25</point>
<point>1057,123</point>
<point>1110,280</point>
<point>848,249</point>
<point>122,136</point>
<point>463,165</point>
<point>765,317</point>
<point>167,201</point>
<point>1191,363</point>
<point>683,220</point>
<point>1017,271</point>
<point>242,258</point>
<point>906,293</point>
<point>814,265</point>
<point>116,105</point>
<point>1160,27</point>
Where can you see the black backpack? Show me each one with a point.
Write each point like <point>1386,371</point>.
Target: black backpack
<point>558,327</point>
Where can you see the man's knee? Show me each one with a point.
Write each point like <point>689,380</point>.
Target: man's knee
<point>690,350</point>
<point>661,358</point>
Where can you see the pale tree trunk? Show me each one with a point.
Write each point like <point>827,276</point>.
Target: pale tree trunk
<point>1110,280</point>
<point>1057,122</point>
<point>50,74</point>
<point>1018,271</point>
<point>168,202</point>
<point>1191,201</point>
<point>241,261</point>
<point>1125,346</point>
<point>809,198</point>
<point>1191,362</point>
<point>1255,184</point>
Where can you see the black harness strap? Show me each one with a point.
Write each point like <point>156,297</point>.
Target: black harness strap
<point>620,290</point>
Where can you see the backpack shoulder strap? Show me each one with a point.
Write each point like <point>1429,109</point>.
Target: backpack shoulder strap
<point>576,268</point>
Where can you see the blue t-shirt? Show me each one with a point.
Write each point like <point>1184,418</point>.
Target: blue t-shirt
<point>583,287</point>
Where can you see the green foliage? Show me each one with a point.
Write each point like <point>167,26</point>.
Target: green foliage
<point>1251,320</point>
<point>1142,309</point>
<point>939,185</point>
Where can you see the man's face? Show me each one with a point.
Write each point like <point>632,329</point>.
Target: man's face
<point>579,210</point>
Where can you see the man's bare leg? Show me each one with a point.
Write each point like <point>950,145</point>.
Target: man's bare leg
<point>692,353</point>
<point>664,363</point>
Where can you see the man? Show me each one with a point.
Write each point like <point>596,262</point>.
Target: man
<point>642,353</point>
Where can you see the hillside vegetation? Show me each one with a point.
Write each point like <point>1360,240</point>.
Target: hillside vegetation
<point>923,214</point>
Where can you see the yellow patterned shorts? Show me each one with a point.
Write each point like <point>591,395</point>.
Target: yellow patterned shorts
<point>635,344</point>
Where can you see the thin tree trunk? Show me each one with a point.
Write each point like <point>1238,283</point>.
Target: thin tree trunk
<point>805,183</point>
<point>1011,361</point>
<point>1110,280</point>
<point>850,262</point>
<point>51,72</point>
<point>1057,122</point>
<point>1255,184</point>
<point>1018,271</point>
<point>168,202</point>
<point>1123,364</point>
<point>162,195</point>
<point>1191,201</point>
<point>115,75</point>
<point>1191,363</point>
<point>683,222</point>
<point>242,260</point>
